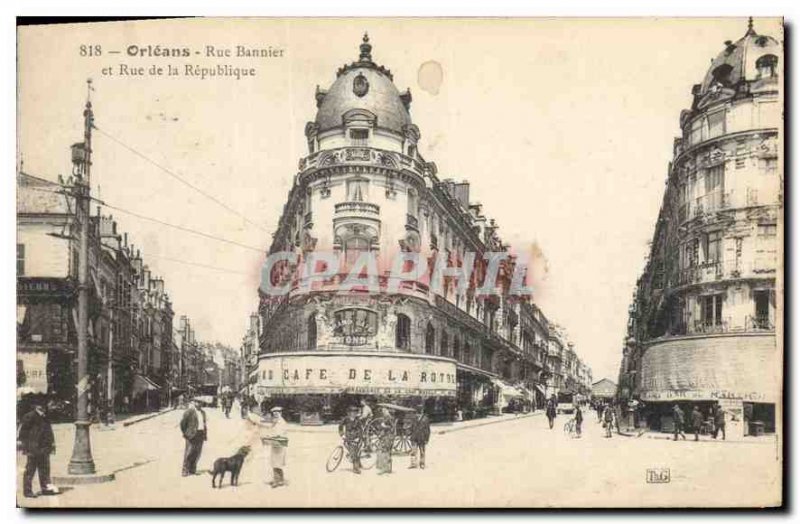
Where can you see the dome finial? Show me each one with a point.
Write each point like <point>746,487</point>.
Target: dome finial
<point>750,30</point>
<point>366,49</point>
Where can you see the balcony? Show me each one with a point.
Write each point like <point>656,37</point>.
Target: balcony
<point>358,209</point>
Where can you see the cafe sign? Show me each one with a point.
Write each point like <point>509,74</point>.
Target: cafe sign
<point>356,373</point>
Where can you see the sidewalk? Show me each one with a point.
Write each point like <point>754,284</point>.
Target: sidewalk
<point>657,435</point>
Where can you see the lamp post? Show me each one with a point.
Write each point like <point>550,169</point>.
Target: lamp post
<point>82,462</point>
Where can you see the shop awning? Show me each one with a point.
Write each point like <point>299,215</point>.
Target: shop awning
<point>507,390</point>
<point>141,384</point>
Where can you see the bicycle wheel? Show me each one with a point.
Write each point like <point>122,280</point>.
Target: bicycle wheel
<point>334,459</point>
<point>371,437</point>
<point>569,427</point>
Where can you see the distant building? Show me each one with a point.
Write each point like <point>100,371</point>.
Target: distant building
<point>604,389</point>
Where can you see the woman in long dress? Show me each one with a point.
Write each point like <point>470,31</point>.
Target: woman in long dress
<point>385,425</point>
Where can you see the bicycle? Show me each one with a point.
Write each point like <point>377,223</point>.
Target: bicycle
<point>366,445</point>
<point>570,428</point>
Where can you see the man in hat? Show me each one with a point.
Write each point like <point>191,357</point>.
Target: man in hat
<point>279,443</point>
<point>350,430</point>
<point>420,435</point>
<point>194,430</point>
<point>35,438</point>
<point>678,419</point>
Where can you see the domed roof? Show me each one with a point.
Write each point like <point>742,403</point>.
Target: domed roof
<point>365,86</point>
<point>738,61</point>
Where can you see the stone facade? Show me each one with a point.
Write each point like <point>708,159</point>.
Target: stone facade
<point>702,322</point>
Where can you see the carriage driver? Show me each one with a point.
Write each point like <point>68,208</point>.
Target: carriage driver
<point>351,430</point>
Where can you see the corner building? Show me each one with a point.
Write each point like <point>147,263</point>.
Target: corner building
<point>702,323</point>
<point>364,187</point>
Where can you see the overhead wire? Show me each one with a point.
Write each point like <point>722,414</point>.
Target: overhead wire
<point>178,177</point>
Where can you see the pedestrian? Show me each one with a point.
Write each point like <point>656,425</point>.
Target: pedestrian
<point>279,443</point>
<point>350,429</point>
<point>35,439</point>
<point>243,406</point>
<point>385,425</point>
<point>608,420</point>
<point>550,411</point>
<point>578,420</point>
<point>697,422</point>
<point>419,437</point>
<point>366,411</point>
<point>195,433</point>
<point>599,407</point>
<point>719,420</point>
<point>678,419</point>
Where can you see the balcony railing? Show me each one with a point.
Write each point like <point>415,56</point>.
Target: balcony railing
<point>360,208</point>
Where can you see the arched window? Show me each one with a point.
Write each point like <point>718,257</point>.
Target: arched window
<point>443,349</point>
<point>312,331</point>
<point>457,349</point>
<point>403,332</point>
<point>722,74</point>
<point>767,66</point>
<point>430,339</point>
<point>468,356</point>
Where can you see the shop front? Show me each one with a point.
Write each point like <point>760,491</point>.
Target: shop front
<point>318,386</point>
<point>732,372</point>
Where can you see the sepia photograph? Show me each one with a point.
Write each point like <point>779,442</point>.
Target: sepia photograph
<point>400,263</point>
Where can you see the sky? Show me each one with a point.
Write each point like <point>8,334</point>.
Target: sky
<point>563,127</point>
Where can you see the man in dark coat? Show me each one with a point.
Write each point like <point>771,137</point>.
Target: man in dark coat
<point>697,422</point>
<point>678,419</point>
<point>350,429</point>
<point>578,419</point>
<point>419,437</point>
<point>719,421</point>
<point>550,411</point>
<point>35,438</point>
<point>195,432</point>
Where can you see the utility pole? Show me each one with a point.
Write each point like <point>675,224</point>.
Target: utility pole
<point>111,367</point>
<point>82,462</point>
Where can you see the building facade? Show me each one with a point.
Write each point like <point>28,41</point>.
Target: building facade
<point>703,318</point>
<point>130,314</point>
<point>364,188</point>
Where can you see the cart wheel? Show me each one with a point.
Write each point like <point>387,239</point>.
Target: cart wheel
<point>334,459</point>
<point>371,438</point>
<point>368,458</point>
<point>402,445</point>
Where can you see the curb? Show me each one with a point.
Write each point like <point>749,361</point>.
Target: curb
<point>488,423</point>
<point>78,480</point>
<point>127,423</point>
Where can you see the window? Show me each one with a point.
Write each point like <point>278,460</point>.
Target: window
<point>711,310</point>
<point>357,189</point>
<point>722,75</point>
<point>359,137</point>
<point>411,150</point>
<point>412,203</point>
<point>20,260</point>
<point>312,332</point>
<point>769,165</point>
<point>443,349</point>
<point>713,248</point>
<point>457,349</point>
<point>762,299</point>
<point>353,247</point>
<point>430,339</point>
<point>767,66</point>
<point>403,332</point>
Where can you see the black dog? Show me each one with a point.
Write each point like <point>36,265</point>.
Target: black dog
<point>232,464</point>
